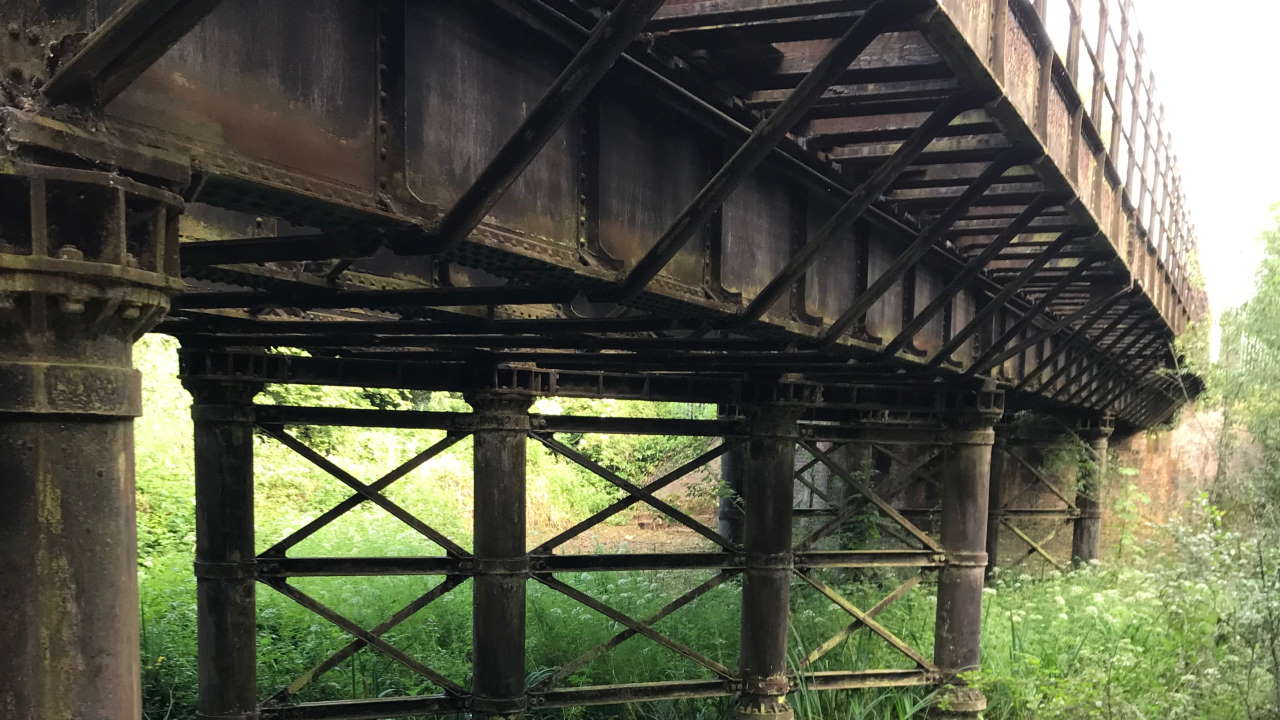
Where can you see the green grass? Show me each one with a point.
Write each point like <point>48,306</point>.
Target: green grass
<point>1168,639</point>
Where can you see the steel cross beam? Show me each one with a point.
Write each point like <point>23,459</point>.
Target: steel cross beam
<point>1118,349</point>
<point>1062,347</point>
<point>917,249</point>
<point>1138,343</point>
<point>607,41</point>
<point>967,273</point>
<point>1098,306</point>
<point>1097,393</point>
<point>764,138</point>
<point>865,194</point>
<point>418,297</point>
<point>996,302</point>
<point>1034,311</point>
<point>123,47</point>
<point>1090,387</point>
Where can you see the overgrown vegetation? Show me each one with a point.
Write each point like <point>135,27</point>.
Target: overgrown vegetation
<point>1182,622</point>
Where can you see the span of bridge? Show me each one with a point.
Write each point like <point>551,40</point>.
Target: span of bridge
<point>839,220</point>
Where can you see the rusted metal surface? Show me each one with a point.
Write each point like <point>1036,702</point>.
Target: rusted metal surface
<point>907,207</point>
<point>958,629</point>
<point>766,585</point>
<point>373,147</point>
<point>227,622</point>
<point>501,559</point>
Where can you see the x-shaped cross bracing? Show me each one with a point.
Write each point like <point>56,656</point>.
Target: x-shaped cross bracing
<point>371,492</point>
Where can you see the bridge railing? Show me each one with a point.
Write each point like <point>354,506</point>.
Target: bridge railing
<point>1102,52</point>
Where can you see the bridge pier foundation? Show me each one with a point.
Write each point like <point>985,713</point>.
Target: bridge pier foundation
<point>226,595</point>
<point>500,427</point>
<point>1087,533</point>
<point>965,494</point>
<point>768,492</point>
<point>85,269</point>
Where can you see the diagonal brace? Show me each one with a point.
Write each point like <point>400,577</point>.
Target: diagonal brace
<point>122,48</point>
<point>1092,311</point>
<point>623,503</point>
<point>369,638</point>
<point>834,641</point>
<point>866,620</point>
<point>450,547</point>
<point>865,194</point>
<point>635,625</point>
<point>574,665</point>
<point>607,41</point>
<point>634,490</point>
<point>764,138</point>
<point>355,645</point>
<point>870,494</point>
<point>302,533</point>
<point>919,248</point>
<point>968,273</point>
<point>998,301</point>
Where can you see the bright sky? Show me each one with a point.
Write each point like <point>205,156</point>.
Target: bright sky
<point>1216,66</point>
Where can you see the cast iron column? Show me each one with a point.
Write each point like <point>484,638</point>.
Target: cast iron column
<point>501,426</point>
<point>965,494</point>
<point>995,499</point>
<point>732,466</point>
<point>226,631</point>
<point>1087,531</point>
<point>766,586</point>
<point>75,294</point>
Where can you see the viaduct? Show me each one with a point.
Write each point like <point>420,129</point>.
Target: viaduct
<point>872,233</point>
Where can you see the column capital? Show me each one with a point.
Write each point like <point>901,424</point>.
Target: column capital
<point>222,392</point>
<point>1095,428</point>
<point>497,410</point>
<point>976,410</point>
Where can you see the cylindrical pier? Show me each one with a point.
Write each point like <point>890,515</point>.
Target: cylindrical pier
<point>501,428</point>
<point>965,496</point>
<point>226,600</point>
<point>766,587</point>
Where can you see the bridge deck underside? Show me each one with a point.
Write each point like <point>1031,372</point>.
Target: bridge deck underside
<point>991,240</point>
